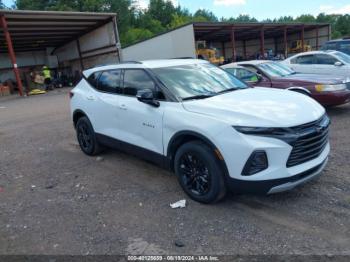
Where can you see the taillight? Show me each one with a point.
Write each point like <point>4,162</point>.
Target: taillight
<point>71,94</point>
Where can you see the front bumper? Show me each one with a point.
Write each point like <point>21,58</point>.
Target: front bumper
<point>277,177</point>
<point>275,185</point>
<point>332,98</point>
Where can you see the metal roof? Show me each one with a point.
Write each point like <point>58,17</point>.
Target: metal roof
<point>221,31</point>
<point>37,30</point>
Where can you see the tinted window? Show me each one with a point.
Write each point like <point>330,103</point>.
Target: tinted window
<point>305,60</point>
<point>344,47</point>
<point>246,75</point>
<point>325,59</point>
<point>109,81</point>
<point>330,46</point>
<point>135,80</point>
<point>92,79</point>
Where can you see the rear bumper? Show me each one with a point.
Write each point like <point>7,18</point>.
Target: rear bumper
<point>275,185</point>
<point>332,98</point>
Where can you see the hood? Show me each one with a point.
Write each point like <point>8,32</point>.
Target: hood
<point>259,107</point>
<point>314,78</point>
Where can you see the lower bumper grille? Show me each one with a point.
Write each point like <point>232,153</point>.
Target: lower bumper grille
<point>311,140</point>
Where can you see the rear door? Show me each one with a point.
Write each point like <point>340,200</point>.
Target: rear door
<point>104,103</point>
<point>140,124</point>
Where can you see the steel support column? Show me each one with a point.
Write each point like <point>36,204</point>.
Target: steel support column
<point>223,50</point>
<point>302,37</point>
<point>80,56</point>
<point>262,43</point>
<point>233,44</point>
<point>245,49</point>
<point>117,39</point>
<point>12,55</point>
<point>285,42</point>
<point>317,38</point>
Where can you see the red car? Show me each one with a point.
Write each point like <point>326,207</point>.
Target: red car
<point>327,90</point>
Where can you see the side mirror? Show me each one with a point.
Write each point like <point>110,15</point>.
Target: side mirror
<point>338,63</point>
<point>146,96</point>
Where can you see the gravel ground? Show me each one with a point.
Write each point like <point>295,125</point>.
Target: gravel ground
<point>56,200</point>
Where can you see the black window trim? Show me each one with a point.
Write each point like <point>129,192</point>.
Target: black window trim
<point>98,78</point>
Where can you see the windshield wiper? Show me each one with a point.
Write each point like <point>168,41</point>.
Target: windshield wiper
<point>196,97</point>
<point>227,90</point>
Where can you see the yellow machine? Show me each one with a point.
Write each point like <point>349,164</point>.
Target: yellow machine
<point>209,54</point>
<point>297,47</point>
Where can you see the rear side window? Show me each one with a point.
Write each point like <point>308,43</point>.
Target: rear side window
<point>92,79</point>
<point>109,81</point>
<point>305,60</point>
<point>136,79</point>
<point>323,59</point>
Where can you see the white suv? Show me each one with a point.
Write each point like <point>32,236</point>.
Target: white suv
<point>194,118</point>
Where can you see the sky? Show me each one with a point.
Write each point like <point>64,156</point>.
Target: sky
<point>260,9</point>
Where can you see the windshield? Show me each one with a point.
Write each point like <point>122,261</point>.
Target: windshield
<point>342,56</point>
<point>274,69</point>
<point>197,80</point>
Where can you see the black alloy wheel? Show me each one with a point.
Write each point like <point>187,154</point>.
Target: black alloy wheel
<point>200,172</point>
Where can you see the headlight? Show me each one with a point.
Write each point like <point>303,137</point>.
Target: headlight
<point>260,130</point>
<point>328,88</point>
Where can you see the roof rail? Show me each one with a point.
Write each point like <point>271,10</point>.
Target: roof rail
<point>130,62</point>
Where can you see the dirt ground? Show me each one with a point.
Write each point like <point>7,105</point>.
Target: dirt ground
<point>56,200</point>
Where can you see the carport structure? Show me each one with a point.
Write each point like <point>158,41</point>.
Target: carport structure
<point>28,31</point>
<point>281,33</point>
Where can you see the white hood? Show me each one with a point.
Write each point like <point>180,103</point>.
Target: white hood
<point>259,107</point>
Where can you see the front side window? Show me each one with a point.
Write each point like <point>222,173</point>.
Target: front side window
<point>344,46</point>
<point>323,59</point>
<point>137,79</point>
<point>187,81</point>
<point>330,46</point>
<point>109,81</point>
<point>342,56</point>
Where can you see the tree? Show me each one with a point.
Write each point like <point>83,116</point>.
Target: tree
<point>162,11</point>
<point>306,19</point>
<point>203,15</point>
<point>179,20</point>
<point>134,35</point>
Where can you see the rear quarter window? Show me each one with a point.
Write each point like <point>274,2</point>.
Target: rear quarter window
<point>92,79</point>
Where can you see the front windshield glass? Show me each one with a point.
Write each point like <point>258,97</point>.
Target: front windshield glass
<point>342,56</point>
<point>274,69</point>
<point>187,81</point>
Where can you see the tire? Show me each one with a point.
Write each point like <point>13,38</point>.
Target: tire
<point>199,172</point>
<point>86,137</point>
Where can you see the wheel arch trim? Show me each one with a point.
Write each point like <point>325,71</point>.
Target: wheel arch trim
<point>175,143</point>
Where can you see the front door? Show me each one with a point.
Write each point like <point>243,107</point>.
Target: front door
<point>140,124</point>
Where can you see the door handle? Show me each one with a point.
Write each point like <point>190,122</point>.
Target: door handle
<point>123,107</point>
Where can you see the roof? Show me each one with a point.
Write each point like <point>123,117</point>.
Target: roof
<point>253,62</point>
<point>221,31</point>
<point>312,53</point>
<point>37,30</point>
<point>147,64</point>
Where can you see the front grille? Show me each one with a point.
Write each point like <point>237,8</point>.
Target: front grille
<point>311,139</point>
